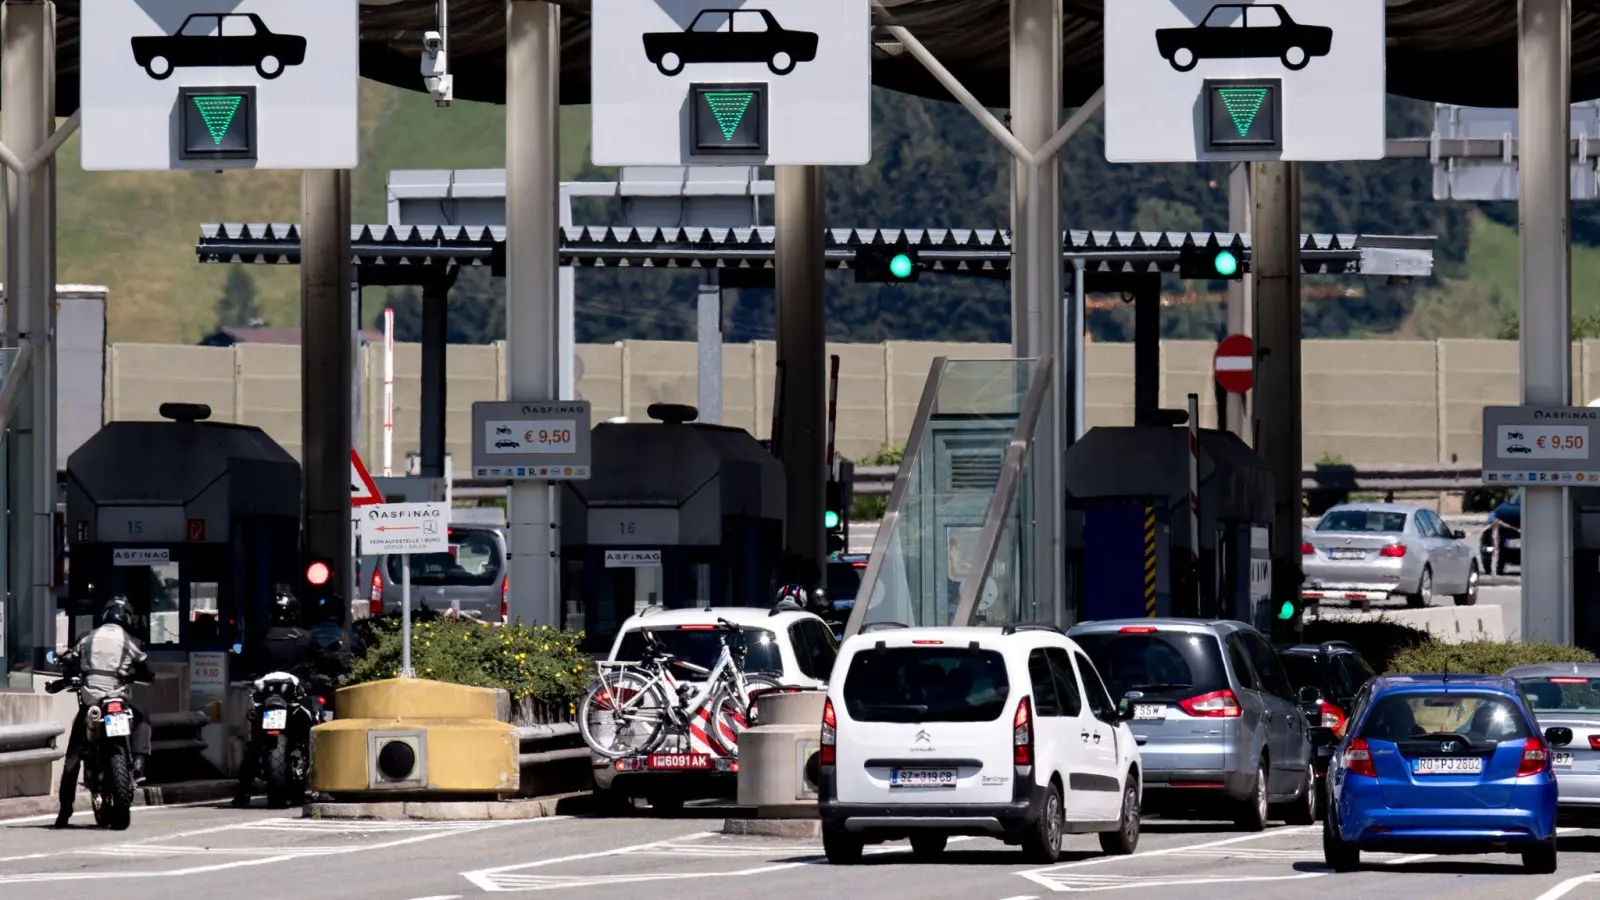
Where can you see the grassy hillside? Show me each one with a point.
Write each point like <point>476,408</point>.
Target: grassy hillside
<point>135,232</point>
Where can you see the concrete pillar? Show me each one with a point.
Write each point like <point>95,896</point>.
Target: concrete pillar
<point>326,363</point>
<point>1241,297</point>
<point>435,308</point>
<point>1275,247</point>
<point>708,346</point>
<point>1037,301</point>
<point>1076,349</point>
<point>797,212</point>
<point>533,327</point>
<point>25,123</point>
<point>1544,210</point>
<point>1146,347</point>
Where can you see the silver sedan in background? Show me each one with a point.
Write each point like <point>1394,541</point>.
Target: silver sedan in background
<point>1566,696</point>
<point>1374,551</point>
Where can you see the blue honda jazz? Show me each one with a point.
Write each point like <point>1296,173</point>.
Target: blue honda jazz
<point>1441,764</point>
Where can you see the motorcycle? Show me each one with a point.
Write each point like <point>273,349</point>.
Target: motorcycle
<point>107,753</point>
<point>282,713</point>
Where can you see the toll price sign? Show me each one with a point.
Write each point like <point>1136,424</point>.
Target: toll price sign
<point>1538,444</point>
<point>542,436</point>
<point>545,440</point>
<point>1547,442</point>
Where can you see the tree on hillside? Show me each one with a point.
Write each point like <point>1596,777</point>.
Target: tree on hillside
<point>237,307</point>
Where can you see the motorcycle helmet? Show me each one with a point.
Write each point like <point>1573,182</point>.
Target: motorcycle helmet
<point>793,596</point>
<point>285,609</point>
<point>117,611</point>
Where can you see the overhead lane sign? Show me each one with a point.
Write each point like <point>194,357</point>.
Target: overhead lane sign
<point>1198,80</point>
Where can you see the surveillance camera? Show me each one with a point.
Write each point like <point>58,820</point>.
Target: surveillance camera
<point>436,68</point>
<point>432,42</point>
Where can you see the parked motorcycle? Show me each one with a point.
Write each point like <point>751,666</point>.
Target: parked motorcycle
<point>107,753</point>
<point>282,713</point>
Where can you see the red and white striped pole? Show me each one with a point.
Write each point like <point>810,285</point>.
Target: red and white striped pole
<point>1194,492</point>
<point>833,412</point>
<point>388,393</point>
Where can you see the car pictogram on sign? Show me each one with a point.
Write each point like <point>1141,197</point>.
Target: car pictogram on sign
<point>731,36</point>
<point>1258,32</point>
<point>205,40</point>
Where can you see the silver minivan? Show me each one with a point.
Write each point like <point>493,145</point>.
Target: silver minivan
<point>1213,713</point>
<point>472,579</point>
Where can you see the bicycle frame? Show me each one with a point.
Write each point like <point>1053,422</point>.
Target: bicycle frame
<point>723,669</point>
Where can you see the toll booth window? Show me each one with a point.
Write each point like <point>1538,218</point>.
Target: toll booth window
<point>166,604</point>
<point>205,624</point>
<point>473,561</point>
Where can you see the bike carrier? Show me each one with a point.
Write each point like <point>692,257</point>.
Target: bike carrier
<point>691,740</point>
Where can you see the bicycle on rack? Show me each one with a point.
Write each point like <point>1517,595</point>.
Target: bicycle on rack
<point>628,709</point>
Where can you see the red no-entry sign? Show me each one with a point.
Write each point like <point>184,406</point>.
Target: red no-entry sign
<point>1235,363</point>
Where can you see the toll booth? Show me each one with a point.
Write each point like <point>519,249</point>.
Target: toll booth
<point>195,522</point>
<point>1585,568</point>
<point>1129,489</point>
<point>676,514</point>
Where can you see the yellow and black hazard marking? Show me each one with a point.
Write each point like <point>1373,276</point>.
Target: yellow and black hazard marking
<point>1150,561</point>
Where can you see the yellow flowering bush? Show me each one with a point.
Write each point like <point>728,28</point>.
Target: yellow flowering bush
<point>541,667</point>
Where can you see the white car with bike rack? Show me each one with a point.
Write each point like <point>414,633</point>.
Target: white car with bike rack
<point>664,717</point>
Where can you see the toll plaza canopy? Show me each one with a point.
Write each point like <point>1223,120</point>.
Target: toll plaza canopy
<point>1447,51</point>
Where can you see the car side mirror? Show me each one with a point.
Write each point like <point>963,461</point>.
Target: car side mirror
<point>1310,694</point>
<point>1558,736</point>
<point>50,657</point>
<point>1458,534</point>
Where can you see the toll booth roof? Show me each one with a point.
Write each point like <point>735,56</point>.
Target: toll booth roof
<point>165,463</point>
<point>1152,461</point>
<point>663,465</point>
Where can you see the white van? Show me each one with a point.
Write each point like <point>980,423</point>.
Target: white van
<point>1008,733</point>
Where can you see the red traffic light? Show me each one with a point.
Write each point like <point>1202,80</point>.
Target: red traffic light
<point>318,573</point>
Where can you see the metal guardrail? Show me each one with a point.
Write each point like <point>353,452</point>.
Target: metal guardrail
<point>539,734</point>
<point>877,480</point>
<point>30,743</point>
<point>178,730</point>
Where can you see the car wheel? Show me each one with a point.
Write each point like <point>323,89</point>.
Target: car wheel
<point>1541,860</point>
<point>1295,58</point>
<point>1253,814</point>
<point>1336,852</point>
<point>1183,59</point>
<point>1042,843</point>
<point>928,846</point>
<point>1303,811</point>
<point>1125,839</point>
<point>840,848</point>
<point>670,64</point>
<point>269,67</point>
<point>1470,598</point>
<point>159,67</point>
<point>1423,598</point>
<point>781,63</point>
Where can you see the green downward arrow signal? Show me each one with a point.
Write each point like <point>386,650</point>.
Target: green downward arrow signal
<point>729,108</point>
<point>1243,104</point>
<point>217,111</point>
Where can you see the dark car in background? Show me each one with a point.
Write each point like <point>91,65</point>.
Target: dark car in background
<point>844,581</point>
<point>1326,679</point>
<point>1501,544</point>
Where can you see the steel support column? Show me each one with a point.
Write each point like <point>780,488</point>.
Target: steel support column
<point>533,326</point>
<point>25,124</point>
<point>1275,271</point>
<point>708,346</point>
<point>797,213</point>
<point>326,362</point>
<point>1241,296</point>
<point>1036,297</point>
<point>435,332</point>
<point>1544,211</point>
<point>1146,347</point>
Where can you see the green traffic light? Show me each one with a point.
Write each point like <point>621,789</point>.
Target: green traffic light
<point>1286,612</point>
<point>830,520</point>
<point>1227,264</point>
<point>900,266</point>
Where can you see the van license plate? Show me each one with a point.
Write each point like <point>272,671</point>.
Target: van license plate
<point>1563,759</point>
<point>922,778</point>
<point>679,762</point>
<point>119,724</point>
<point>1147,711</point>
<point>1465,765</point>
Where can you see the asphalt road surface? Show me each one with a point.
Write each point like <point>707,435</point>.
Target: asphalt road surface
<point>259,855</point>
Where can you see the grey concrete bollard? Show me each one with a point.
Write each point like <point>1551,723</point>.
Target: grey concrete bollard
<point>772,756</point>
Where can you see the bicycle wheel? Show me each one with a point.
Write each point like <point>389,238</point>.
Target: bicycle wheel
<point>732,714</point>
<point>622,714</point>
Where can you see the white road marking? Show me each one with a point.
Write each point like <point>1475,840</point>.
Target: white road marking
<point>1061,878</point>
<point>50,817</point>
<point>442,897</point>
<point>1022,897</point>
<point>1568,886</point>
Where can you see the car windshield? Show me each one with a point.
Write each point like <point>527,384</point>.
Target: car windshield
<point>1372,521</point>
<point>1152,661</point>
<point>1304,670</point>
<point>926,684</point>
<point>1566,693</point>
<point>701,647</point>
<point>844,580</point>
<point>1479,716</point>
<point>473,561</point>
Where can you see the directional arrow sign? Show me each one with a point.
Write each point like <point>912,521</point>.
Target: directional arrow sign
<point>406,528</point>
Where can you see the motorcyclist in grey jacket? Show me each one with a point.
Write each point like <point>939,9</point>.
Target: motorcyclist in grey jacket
<point>109,659</point>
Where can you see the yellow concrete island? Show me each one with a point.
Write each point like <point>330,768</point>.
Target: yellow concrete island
<point>408,737</point>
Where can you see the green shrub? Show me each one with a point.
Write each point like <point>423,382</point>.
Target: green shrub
<point>1483,657</point>
<point>1378,640</point>
<point>871,507</point>
<point>540,665</point>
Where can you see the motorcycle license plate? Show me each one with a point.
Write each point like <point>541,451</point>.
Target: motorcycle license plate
<point>119,724</point>
<point>1514,543</point>
<point>275,719</point>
